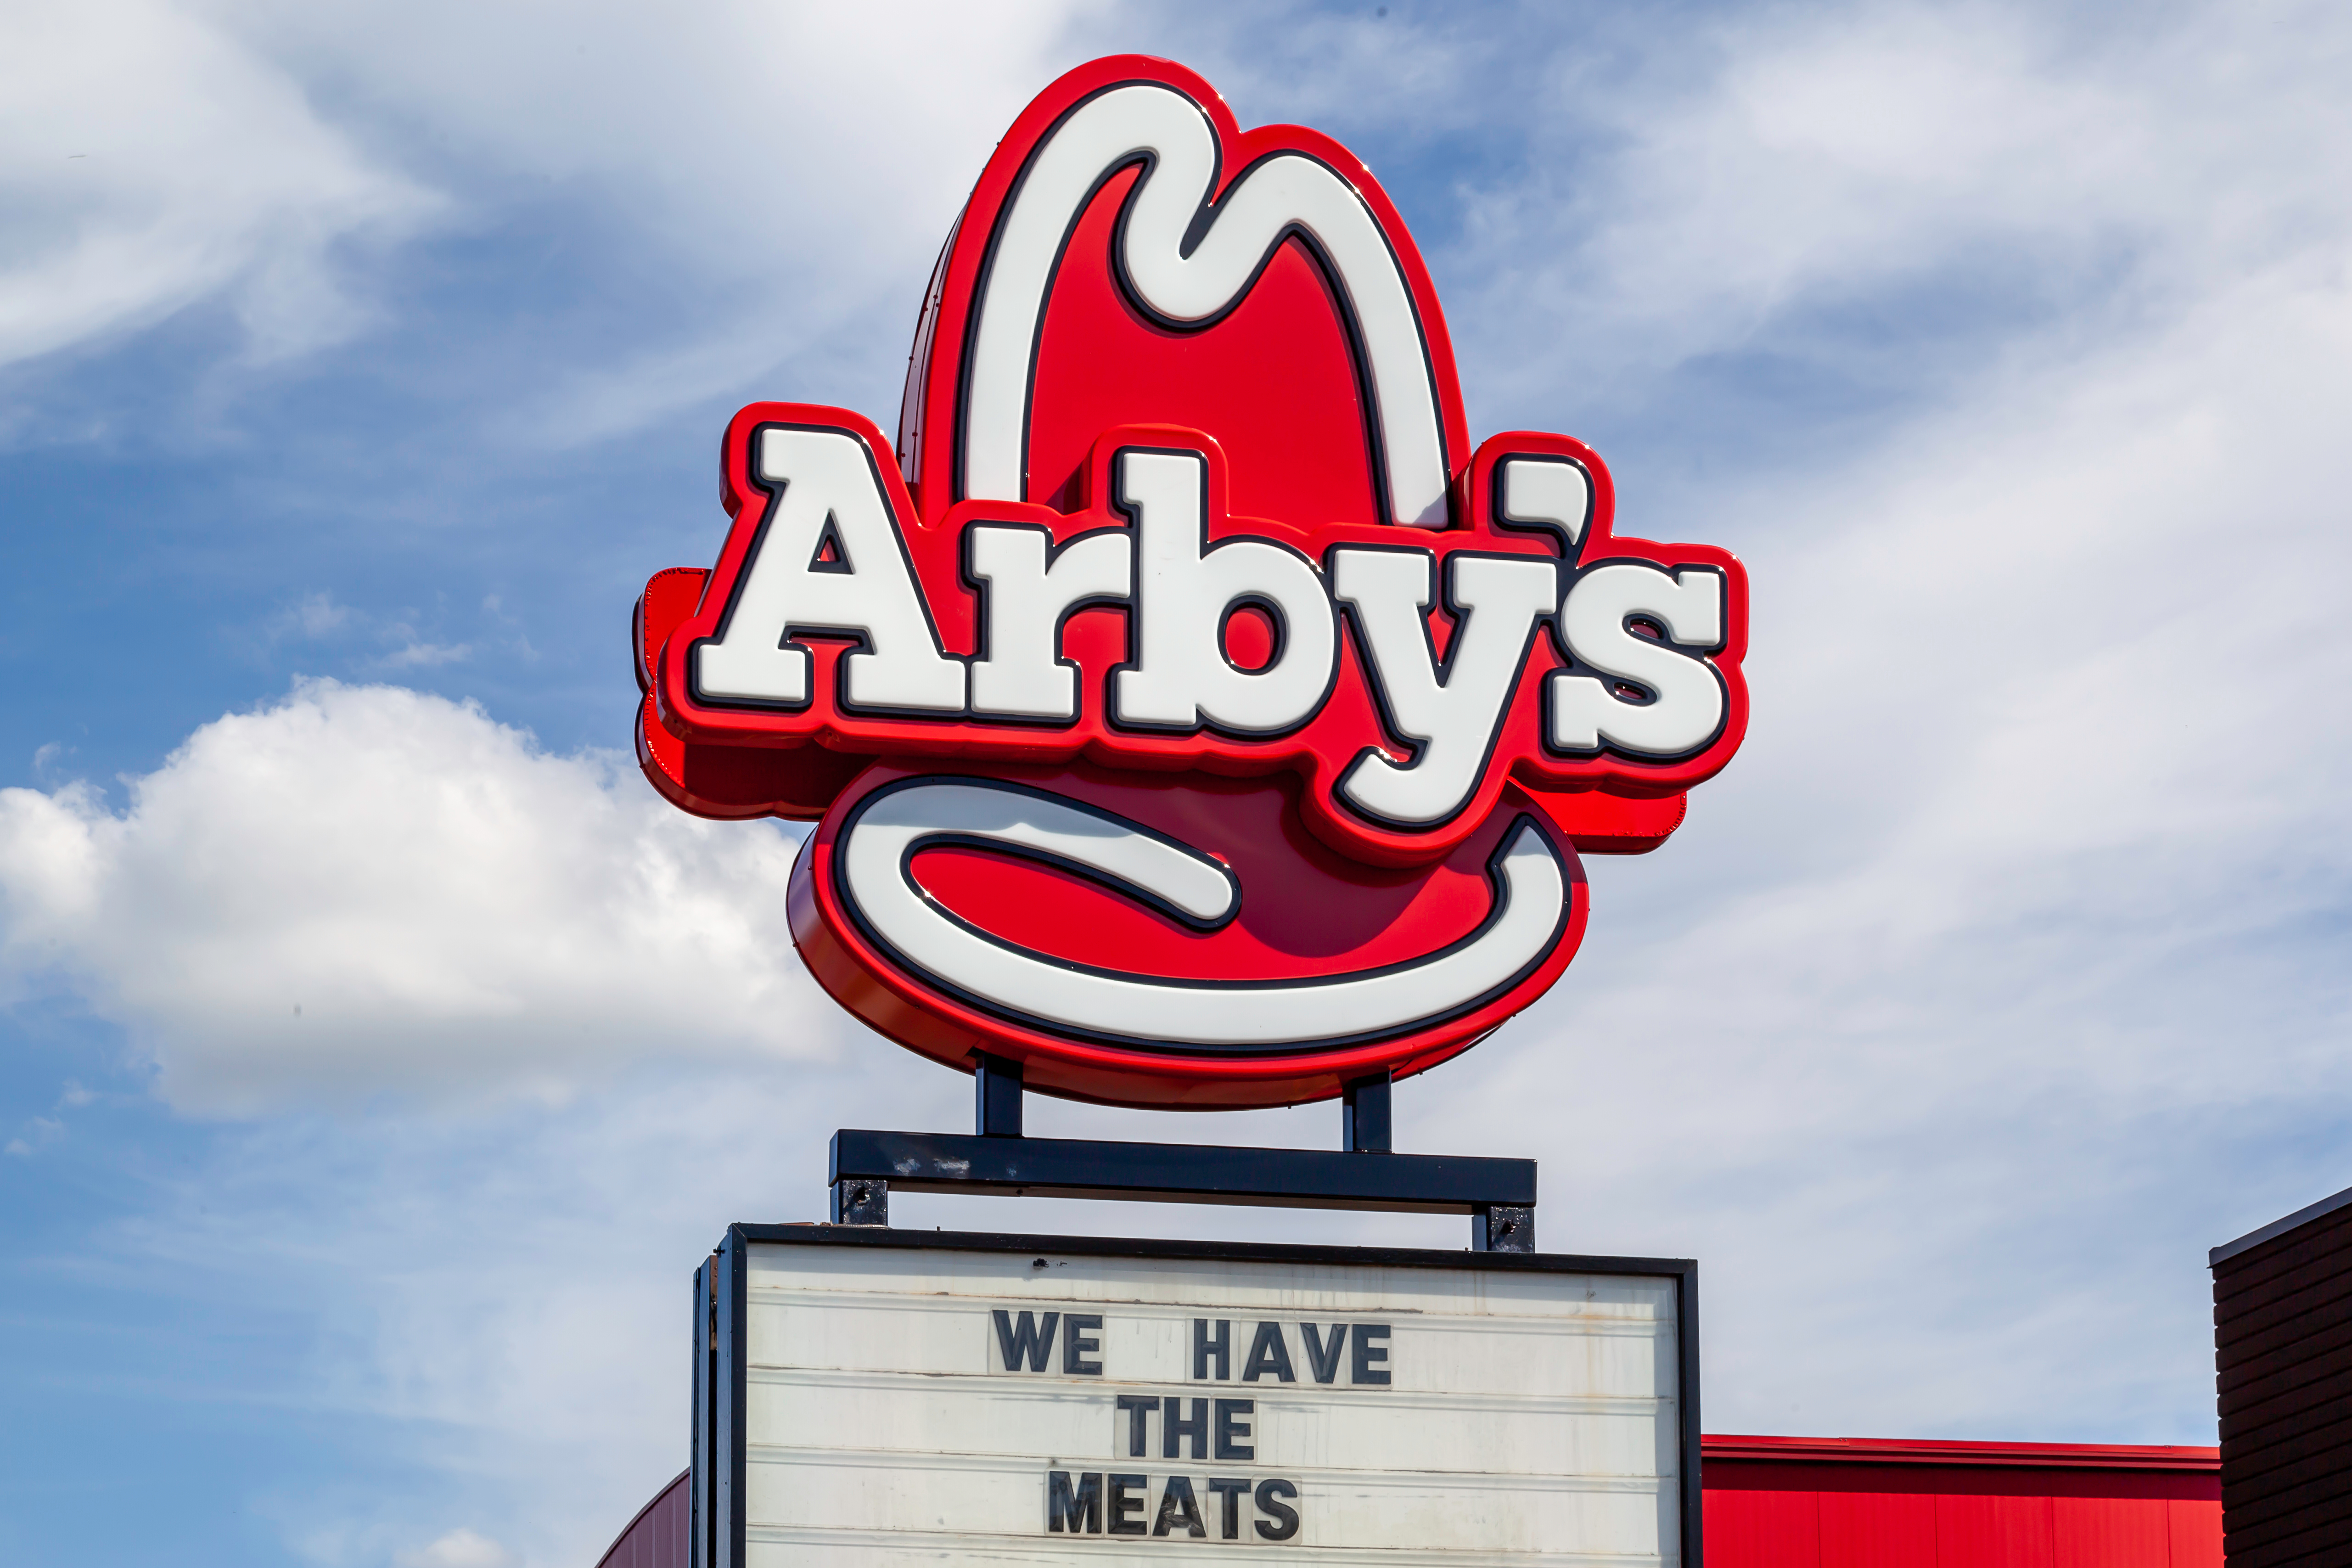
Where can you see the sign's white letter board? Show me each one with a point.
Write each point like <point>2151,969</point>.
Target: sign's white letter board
<point>871,1398</point>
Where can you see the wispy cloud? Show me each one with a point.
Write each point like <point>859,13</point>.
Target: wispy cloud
<point>395,639</point>
<point>172,153</point>
<point>1844,183</point>
<point>314,615</point>
<point>157,160</point>
<point>425,654</point>
<point>460,1548</point>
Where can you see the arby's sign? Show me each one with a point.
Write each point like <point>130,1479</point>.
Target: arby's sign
<point>1188,711</point>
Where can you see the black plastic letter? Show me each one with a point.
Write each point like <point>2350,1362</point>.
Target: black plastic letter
<point>1029,1343</point>
<point>1203,1347</point>
<point>1135,1407</point>
<point>1268,1353</point>
<point>1173,1425</point>
<point>1232,1490</point>
<point>1285,1517</point>
<point>1127,1495</point>
<point>1321,1359</point>
<point>1232,1436</point>
<point>1367,1352</point>
<point>1070,1510</point>
<point>1077,1344</point>
<point>1189,1516</point>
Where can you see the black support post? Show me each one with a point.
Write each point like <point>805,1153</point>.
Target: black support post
<point>1503,1228</point>
<point>996,1096</point>
<point>704,1449</point>
<point>861,1200</point>
<point>1364,1125</point>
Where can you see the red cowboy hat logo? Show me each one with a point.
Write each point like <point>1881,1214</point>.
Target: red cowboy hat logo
<point>1190,712</point>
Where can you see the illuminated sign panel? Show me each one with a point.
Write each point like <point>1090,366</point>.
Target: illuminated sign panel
<point>909,1397</point>
<point>1192,714</point>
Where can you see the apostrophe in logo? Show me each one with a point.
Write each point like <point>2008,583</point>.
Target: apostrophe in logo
<point>1192,714</point>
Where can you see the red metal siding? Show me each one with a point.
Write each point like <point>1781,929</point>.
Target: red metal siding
<point>656,1538</point>
<point>1780,1502</point>
<point>1895,1529</point>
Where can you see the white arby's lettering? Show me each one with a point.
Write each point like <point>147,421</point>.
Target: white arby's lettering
<point>824,491</point>
<point>1450,715</point>
<point>828,561</point>
<point>1028,590</point>
<point>1181,678</point>
<point>1652,697</point>
<point>1550,493</point>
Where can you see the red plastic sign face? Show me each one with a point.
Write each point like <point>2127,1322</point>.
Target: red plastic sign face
<point>1190,713</point>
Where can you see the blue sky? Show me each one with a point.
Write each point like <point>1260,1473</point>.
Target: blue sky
<point>357,366</point>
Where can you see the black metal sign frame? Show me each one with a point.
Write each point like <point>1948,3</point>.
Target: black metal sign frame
<point>1363,1172</point>
<point>721,1306</point>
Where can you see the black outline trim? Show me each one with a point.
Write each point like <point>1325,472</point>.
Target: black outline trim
<point>984,590</point>
<point>841,564</point>
<point>1570,550</point>
<point>1335,288</point>
<point>701,1528</point>
<point>982,277</point>
<point>907,447</point>
<point>1376,683</point>
<point>1123,888</point>
<point>730,1327</point>
<point>795,632</point>
<point>1699,654</point>
<point>1133,513</point>
<point>1273,613</point>
<point>1204,217</point>
<point>1498,904</point>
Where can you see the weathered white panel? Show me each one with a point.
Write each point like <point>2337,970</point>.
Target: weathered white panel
<point>781,1547</point>
<point>1276,1289</point>
<point>1527,1418</point>
<point>992,1496</point>
<point>1427,1353</point>
<point>1542,1435</point>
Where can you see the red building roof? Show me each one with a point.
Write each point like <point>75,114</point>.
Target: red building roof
<point>1852,1502</point>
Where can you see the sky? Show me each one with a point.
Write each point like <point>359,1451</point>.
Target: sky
<point>378,1054</point>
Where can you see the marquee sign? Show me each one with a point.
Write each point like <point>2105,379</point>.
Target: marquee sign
<point>1189,711</point>
<point>872,1397</point>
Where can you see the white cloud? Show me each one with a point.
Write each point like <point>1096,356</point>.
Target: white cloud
<point>2002,974</point>
<point>741,133</point>
<point>152,160</point>
<point>793,166</point>
<point>461,1548</point>
<point>363,889</point>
